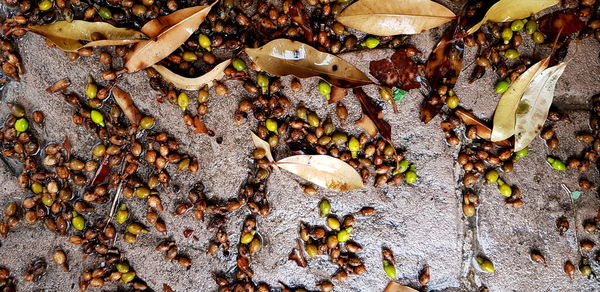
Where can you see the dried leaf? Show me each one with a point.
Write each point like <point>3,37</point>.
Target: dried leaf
<point>262,144</point>
<point>509,10</point>
<point>504,117</point>
<point>181,27</point>
<point>483,130</point>
<point>286,57</point>
<point>59,86</point>
<point>392,17</point>
<point>69,35</point>
<point>373,111</point>
<point>196,83</point>
<point>68,147</point>
<point>324,171</point>
<point>368,125</point>
<point>442,69</point>
<point>395,287</point>
<point>102,172</point>
<point>167,288</point>
<point>126,104</point>
<point>398,71</point>
<point>533,108</point>
<point>337,94</point>
<point>300,18</point>
<point>560,25</point>
<point>199,126</point>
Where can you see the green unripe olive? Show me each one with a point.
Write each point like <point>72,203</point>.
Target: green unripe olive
<point>263,82</point>
<point>492,176</point>
<point>122,268</point>
<point>530,27</point>
<point>239,65</point>
<point>271,125</point>
<point>78,222</point>
<point>147,122</point>
<point>505,190</point>
<point>247,237</point>
<point>324,88</point>
<point>538,37</point>
<point>402,166</point>
<point>142,192</point>
<point>452,101</point>
<point>21,125</point>
<point>521,154</point>
<point>389,269</point>
<point>486,265</point>
<point>311,250</point>
<point>333,223</point>
<point>370,43</point>
<point>340,139</point>
<point>324,207</point>
<point>183,101</point>
<point>45,5</point>
<point>97,118</point>
<point>517,25</point>
<point>344,235</point>
<point>204,42</point>
<point>99,150</point>
<point>128,277</point>
<point>410,177</point>
<point>507,35</point>
<point>502,86</point>
<point>189,56</point>
<point>511,54</point>
<point>104,13</point>
<point>313,120</point>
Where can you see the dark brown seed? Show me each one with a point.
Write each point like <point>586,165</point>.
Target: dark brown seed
<point>563,225</point>
<point>424,276</point>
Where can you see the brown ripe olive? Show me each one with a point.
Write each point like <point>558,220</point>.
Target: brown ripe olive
<point>507,166</point>
<point>547,134</point>
<point>469,209</point>
<point>585,184</point>
<point>587,244</point>
<point>552,143</point>
<point>469,179</point>
<point>38,117</point>
<point>105,58</point>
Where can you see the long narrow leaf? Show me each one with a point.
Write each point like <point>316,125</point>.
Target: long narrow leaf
<point>509,10</point>
<point>535,104</point>
<point>196,83</point>
<point>504,118</point>
<point>324,171</point>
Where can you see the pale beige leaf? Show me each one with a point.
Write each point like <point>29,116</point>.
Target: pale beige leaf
<point>392,17</point>
<point>509,10</point>
<point>69,35</point>
<point>286,57</point>
<point>535,104</point>
<point>155,26</point>
<point>148,53</point>
<point>395,287</point>
<point>324,171</point>
<point>504,117</point>
<point>196,83</point>
<point>262,144</point>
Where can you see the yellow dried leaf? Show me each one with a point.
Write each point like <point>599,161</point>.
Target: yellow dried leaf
<point>196,83</point>
<point>324,171</point>
<point>509,10</point>
<point>533,108</point>
<point>504,117</point>
<point>69,35</point>
<point>286,57</point>
<point>392,17</point>
<point>171,34</point>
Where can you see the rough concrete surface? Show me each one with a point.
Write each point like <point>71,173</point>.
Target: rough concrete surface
<point>422,223</point>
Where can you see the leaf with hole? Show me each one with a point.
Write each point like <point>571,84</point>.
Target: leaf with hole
<point>392,17</point>
<point>283,57</point>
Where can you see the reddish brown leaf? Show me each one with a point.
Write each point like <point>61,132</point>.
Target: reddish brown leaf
<point>398,71</point>
<point>59,86</point>
<point>102,172</point>
<point>337,94</point>
<point>373,111</point>
<point>443,68</point>
<point>560,23</point>
<point>483,130</point>
<point>167,288</point>
<point>300,18</point>
<point>126,104</point>
<point>67,146</point>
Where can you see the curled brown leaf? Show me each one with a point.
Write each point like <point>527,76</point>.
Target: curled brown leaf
<point>126,104</point>
<point>373,111</point>
<point>195,83</point>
